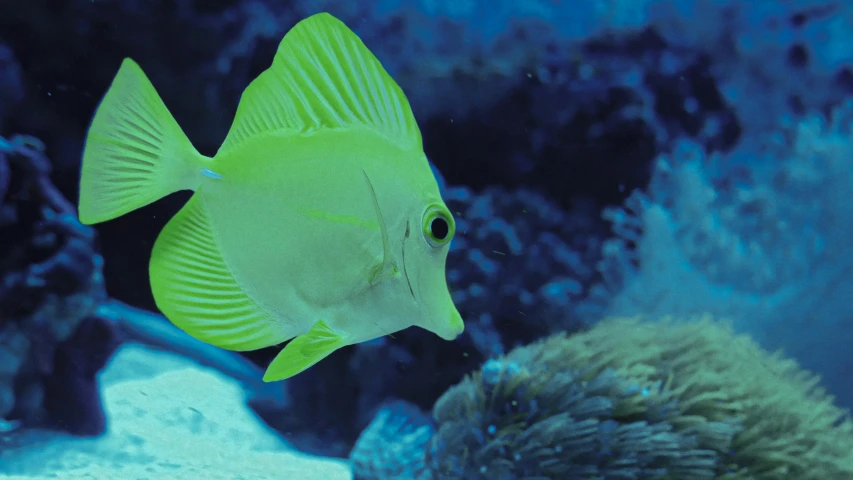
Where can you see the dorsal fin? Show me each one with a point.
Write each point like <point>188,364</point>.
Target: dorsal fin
<point>323,76</point>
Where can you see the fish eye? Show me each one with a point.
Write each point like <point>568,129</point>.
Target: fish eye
<point>438,225</point>
<point>439,228</point>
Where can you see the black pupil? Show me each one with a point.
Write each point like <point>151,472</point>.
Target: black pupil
<point>439,228</point>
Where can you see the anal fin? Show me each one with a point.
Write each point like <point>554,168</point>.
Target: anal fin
<point>196,291</point>
<point>304,351</point>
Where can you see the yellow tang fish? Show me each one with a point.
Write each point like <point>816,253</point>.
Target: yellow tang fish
<point>318,220</point>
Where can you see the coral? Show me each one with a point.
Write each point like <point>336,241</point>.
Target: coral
<point>518,261</point>
<point>392,446</point>
<point>644,400</point>
<point>759,236</point>
<point>71,395</point>
<point>771,59</point>
<point>52,285</point>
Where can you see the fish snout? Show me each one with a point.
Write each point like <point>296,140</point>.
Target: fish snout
<point>454,326</point>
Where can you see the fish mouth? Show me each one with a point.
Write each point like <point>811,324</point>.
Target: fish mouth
<point>453,328</point>
<point>456,323</point>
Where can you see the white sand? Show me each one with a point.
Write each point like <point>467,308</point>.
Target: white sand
<point>168,419</point>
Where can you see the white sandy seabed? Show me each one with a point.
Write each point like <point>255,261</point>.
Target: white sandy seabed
<point>168,419</point>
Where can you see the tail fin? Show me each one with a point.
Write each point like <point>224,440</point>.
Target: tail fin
<point>135,151</point>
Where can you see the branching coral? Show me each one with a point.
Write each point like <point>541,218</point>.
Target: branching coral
<point>630,399</point>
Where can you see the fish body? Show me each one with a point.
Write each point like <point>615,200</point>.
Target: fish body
<point>318,220</point>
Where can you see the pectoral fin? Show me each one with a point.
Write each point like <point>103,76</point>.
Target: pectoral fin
<point>304,351</point>
<point>386,269</point>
